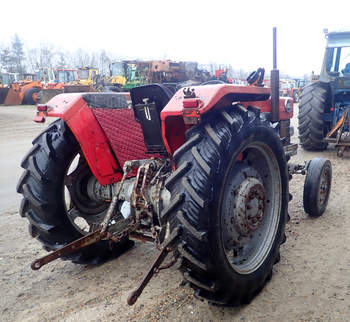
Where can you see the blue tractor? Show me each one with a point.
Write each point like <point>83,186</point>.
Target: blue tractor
<point>324,107</point>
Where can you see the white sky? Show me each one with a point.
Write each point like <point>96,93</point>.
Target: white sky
<point>230,32</point>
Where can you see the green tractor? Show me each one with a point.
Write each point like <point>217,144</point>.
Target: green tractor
<point>324,107</point>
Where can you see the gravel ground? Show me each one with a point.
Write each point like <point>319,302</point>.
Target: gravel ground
<point>311,282</point>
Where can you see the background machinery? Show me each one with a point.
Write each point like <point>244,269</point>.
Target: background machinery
<point>6,79</point>
<point>324,104</point>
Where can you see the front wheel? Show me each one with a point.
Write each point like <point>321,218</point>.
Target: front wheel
<point>229,195</point>
<point>55,198</point>
<point>317,186</point>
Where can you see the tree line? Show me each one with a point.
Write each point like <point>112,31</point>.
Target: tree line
<point>15,58</point>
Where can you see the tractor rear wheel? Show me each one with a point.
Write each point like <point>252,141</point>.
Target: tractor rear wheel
<point>311,124</point>
<point>55,200</point>
<point>229,195</point>
<point>30,96</point>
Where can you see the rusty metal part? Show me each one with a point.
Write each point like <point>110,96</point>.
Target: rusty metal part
<point>139,199</point>
<point>109,213</point>
<point>295,168</point>
<point>339,135</point>
<point>13,97</point>
<point>69,249</point>
<point>141,237</point>
<point>115,199</point>
<point>250,205</point>
<point>132,298</point>
<point>324,186</point>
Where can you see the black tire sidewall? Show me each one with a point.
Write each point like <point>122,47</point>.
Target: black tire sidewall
<point>223,270</point>
<point>28,96</point>
<point>312,184</point>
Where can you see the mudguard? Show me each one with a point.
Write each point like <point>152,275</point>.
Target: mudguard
<point>188,106</point>
<point>105,127</point>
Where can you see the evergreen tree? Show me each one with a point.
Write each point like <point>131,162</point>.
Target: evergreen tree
<point>17,56</point>
<point>5,58</point>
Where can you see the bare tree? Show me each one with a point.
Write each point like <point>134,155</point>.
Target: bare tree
<point>62,60</point>
<point>45,56</point>
<point>32,60</point>
<point>104,62</point>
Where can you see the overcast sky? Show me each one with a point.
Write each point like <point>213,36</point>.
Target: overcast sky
<point>231,32</point>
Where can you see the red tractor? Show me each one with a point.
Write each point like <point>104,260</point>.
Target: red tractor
<point>203,174</point>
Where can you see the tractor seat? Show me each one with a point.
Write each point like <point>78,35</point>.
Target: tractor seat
<point>147,102</point>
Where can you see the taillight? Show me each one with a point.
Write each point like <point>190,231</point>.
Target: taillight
<point>41,108</point>
<point>190,103</point>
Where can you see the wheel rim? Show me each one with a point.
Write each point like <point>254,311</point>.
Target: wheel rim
<point>84,213</point>
<point>250,208</point>
<point>323,189</point>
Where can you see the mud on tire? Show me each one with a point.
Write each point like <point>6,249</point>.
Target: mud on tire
<point>219,154</point>
<point>43,203</point>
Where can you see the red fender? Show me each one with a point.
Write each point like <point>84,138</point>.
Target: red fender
<point>73,109</point>
<point>182,112</point>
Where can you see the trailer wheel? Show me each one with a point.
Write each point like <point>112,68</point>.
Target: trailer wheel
<point>229,195</point>
<point>55,201</point>
<point>30,96</point>
<point>317,186</point>
<point>311,109</point>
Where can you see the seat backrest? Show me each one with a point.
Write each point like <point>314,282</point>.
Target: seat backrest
<point>147,102</point>
<point>153,93</point>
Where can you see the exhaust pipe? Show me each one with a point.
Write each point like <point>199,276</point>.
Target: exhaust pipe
<point>275,83</point>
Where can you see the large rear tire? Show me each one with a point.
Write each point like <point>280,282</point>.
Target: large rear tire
<point>55,201</point>
<point>311,125</point>
<point>229,243</point>
<point>30,96</point>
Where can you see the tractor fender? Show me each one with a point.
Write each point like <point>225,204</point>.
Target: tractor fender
<point>188,105</point>
<point>79,117</point>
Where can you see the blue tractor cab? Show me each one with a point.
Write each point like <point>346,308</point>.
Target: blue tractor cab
<point>324,105</point>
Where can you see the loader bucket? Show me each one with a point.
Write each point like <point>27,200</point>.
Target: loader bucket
<point>3,94</point>
<point>77,88</point>
<point>46,94</point>
<point>13,97</point>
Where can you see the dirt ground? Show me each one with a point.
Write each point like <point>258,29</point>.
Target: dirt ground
<point>311,282</point>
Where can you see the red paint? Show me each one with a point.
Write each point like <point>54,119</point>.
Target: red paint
<point>109,137</point>
<point>265,106</point>
<point>123,132</point>
<point>73,109</point>
<point>210,96</point>
<point>190,103</point>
